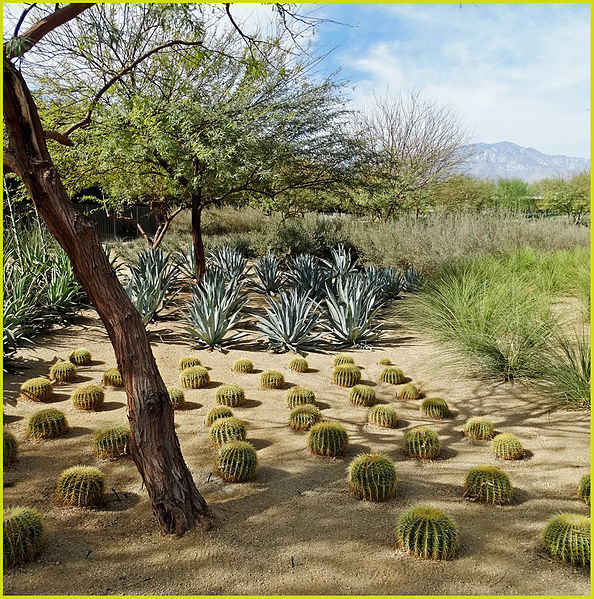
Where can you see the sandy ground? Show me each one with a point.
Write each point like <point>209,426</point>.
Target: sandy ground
<point>297,529</point>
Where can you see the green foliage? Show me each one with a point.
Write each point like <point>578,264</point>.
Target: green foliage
<point>82,486</point>
<point>23,535</point>
<point>80,357</point>
<point>37,389</point>
<point>112,442</point>
<point>507,447</point>
<point>303,417</point>
<point>188,362</point>
<point>372,476</point>
<point>216,413</point>
<point>463,193</point>
<point>62,372</point>
<point>194,377</point>
<point>298,365</point>
<point>567,537</point>
<point>346,375</point>
<point>488,484</point>
<point>328,439</point>
<point>47,424</point>
<point>113,378</point>
<point>272,379</point>
<point>299,396</point>
<point>362,395</point>
<point>409,391</point>
<point>479,428</point>
<point>384,362</point>
<point>243,366</point>
<point>230,395</point>
<point>583,489</point>
<point>237,462</point>
<point>227,429</point>
<point>422,442</point>
<point>343,359</point>
<point>10,450</point>
<point>176,397</point>
<point>392,375</point>
<point>435,407</point>
<point>567,197</point>
<point>88,397</point>
<point>384,416</point>
<point>427,533</point>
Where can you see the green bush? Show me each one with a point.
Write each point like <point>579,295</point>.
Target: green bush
<point>10,446</point>
<point>194,377</point>
<point>113,378</point>
<point>346,375</point>
<point>422,443</point>
<point>342,359</point>
<point>176,397</point>
<point>188,362</point>
<point>23,535</point>
<point>435,407</point>
<point>392,375</point>
<point>303,417</point>
<point>479,428</point>
<point>567,537</point>
<point>230,395</point>
<point>37,389</point>
<point>409,391</point>
<point>80,357</point>
<point>272,379</point>
<point>328,439</point>
<point>88,397</point>
<point>243,366</point>
<point>81,486</point>
<point>298,365</point>
<point>362,395</point>
<point>227,429</point>
<point>488,484</point>
<point>384,416</point>
<point>507,447</point>
<point>112,442</point>
<point>216,413</point>
<point>47,424</point>
<point>372,476</point>
<point>299,396</point>
<point>237,462</point>
<point>583,490</point>
<point>63,372</point>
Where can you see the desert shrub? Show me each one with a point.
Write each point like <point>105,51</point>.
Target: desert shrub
<point>10,448</point>
<point>342,359</point>
<point>346,375</point>
<point>243,366</point>
<point>217,413</point>
<point>299,396</point>
<point>112,442</point>
<point>62,372</point>
<point>384,416</point>
<point>80,486</point>
<point>362,395</point>
<point>80,357</point>
<point>298,365</point>
<point>328,439</point>
<point>237,461</point>
<point>272,379</point>
<point>422,443</point>
<point>188,362</point>
<point>88,397</point>
<point>372,476</point>
<point>230,395</point>
<point>479,428</point>
<point>47,424</point>
<point>227,429</point>
<point>23,536</point>
<point>392,375</point>
<point>176,397</point>
<point>435,407</point>
<point>507,447</point>
<point>409,391</point>
<point>37,389</point>
<point>113,378</point>
<point>488,484</point>
<point>567,537</point>
<point>303,417</point>
<point>428,533</point>
<point>583,490</point>
<point>194,377</point>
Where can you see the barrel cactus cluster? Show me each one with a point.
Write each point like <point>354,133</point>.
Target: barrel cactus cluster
<point>362,395</point>
<point>47,424</point>
<point>567,538</point>
<point>10,448</point>
<point>435,407</point>
<point>237,461</point>
<point>217,413</point>
<point>298,365</point>
<point>88,397</point>
<point>37,389</point>
<point>342,359</point>
<point>227,429</point>
<point>299,396</point>
<point>194,377</point>
<point>479,428</point>
<point>81,486</point>
<point>422,443</point>
<point>372,476</point>
<point>23,535</point>
<point>392,375</point>
<point>243,366</point>
<point>384,416</point>
<point>488,484</point>
<point>507,447</point>
<point>346,375</point>
<point>188,362</point>
<point>80,357</point>
<point>409,391</point>
<point>230,395</point>
<point>328,439</point>
<point>113,378</point>
<point>272,379</point>
<point>176,397</point>
<point>112,442</point>
<point>63,372</point>
<point>583,490</point>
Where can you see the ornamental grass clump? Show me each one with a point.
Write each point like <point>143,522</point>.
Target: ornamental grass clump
<point>583,490</point>
<point>507,447</point>
<point>47,424</point>
<point>23,536</point>
<point>299,396</point>
<point>409,391</point>
<point>227,429</point>
<point>298,365</point>
<point>488,484</point>
<point>237,462</point>
<point>188,362</point>
<point>342,359</point>
<point>435,407</point>
<point>328,439</point>
<point>194,377</point>
<point>272,379</point>
<point>479,428</point>
<point>384,416</point>
<point>422,443</point>
<point>428,533</point>
<point>346,375</point>
<point>88,397</point>
<point>372,476</point>
<point>80,357</point>
<point>113,378</point>
<point>230,395</point>
<point>567,537</point>
<point>176,397</point>
<point>217,413</point>
<point>302,418</point>
<point>112,442</point>
<point>392,375</point>
<point>243,366</point>
<point>82,486</point>
<point>362,395</point>
<point>62,372</point>
<point>37,389</point>
<point>10,446</point>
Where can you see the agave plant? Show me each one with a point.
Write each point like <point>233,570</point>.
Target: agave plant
<point>186,262</point>
<point>288,323</point>
<point>342,263</point>
<point>227,292</point>
<point>412,279</point>
<point>270,277</point>
<point>308,276</point>
<point>389,282</point>
<point>351,313</point>
<point>150,287</point>
<point>230,261</point>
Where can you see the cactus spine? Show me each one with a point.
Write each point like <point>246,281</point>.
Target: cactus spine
<point>328,439</point>
<point>37,389</point>
<point>567,537</point>
<point>409,391</point>
<point>479,428</point>
<point>422,443</point>
<point>81,486</point>
<point>63,372</point>
<point>583,490</point>
<point>342,359</point>
<point>47,424</point>
<point>384,416</point>
<point>488,484</point>
<point>88,397</point>
<point>112,442</point>
<point>243,366</point>
<point>230,395</point>
<point>80,357</point>
<point>372,476</point>
<point>507,447</point>
<point>298,365</point>
<point>23,535</point>
<point>176,397</point>
<point>302,418</point>
<point>392,375</point>
<point>237,461</point>
<point>113,378</point>
<point>188,362</point>
<point>272,379</point>
<point>10,446</point>
<point>299,396</point>
<point>362,395</point>
<point>435,407</point>
<point>194,377</point>
<point>228,429</point>
<point>346,375</point>
<point>216,413</point>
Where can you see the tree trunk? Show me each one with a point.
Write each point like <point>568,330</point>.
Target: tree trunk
<point>155,447</point>
<point>197,236</point>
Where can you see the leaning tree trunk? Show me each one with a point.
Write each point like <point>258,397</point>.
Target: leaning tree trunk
<point>155,446</point>
<point>197,241</point>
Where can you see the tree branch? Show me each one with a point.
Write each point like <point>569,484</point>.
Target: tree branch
<point>57,136</point>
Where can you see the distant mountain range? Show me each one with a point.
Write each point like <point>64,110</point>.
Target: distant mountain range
<point>510,161</point>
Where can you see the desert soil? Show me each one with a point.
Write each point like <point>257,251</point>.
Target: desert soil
<point>296,529</point>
